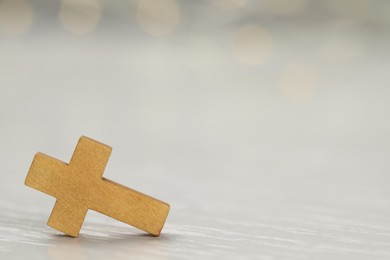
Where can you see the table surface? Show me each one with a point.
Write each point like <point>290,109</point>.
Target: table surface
<point>344,214</point>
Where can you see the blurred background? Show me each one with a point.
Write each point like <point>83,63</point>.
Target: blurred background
<point>242,114</point>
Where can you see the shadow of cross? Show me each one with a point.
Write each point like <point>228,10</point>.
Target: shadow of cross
<point>79,186</point>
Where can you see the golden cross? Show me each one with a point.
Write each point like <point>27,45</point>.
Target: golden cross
<point>79,186</point>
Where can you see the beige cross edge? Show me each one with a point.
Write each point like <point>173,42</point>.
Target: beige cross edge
<point>79,186</point>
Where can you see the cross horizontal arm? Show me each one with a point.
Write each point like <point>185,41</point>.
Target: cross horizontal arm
<point>46,174</point>
<point>131,207</point>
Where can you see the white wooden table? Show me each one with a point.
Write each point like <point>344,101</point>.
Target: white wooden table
<point>267,215</point>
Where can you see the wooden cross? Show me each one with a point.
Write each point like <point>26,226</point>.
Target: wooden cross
<point>79,186</point>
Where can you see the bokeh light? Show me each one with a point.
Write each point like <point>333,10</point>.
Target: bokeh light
<point>343,48</point>
<point>230,4</point>
<point>350,8</point>
<point>297,82</point>
<point>80,16</point>
<point>289,7</point>
<point>381,12</point>
<point>158,17</point>
<point>15,16</point>
<point>252,45</point>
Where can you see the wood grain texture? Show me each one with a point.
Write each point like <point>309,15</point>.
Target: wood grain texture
<point>79,186</point>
